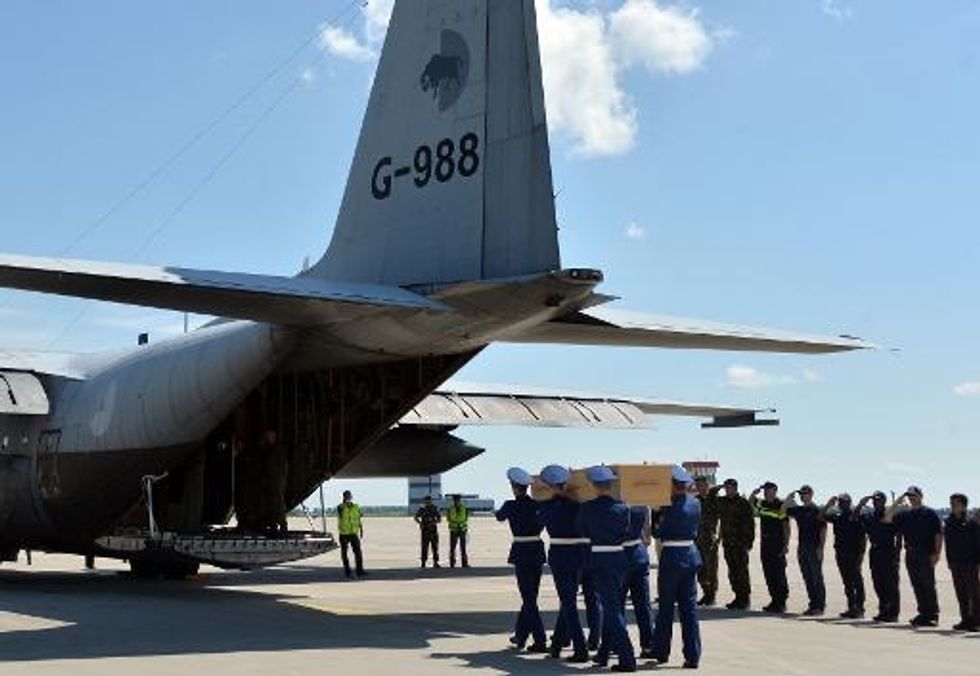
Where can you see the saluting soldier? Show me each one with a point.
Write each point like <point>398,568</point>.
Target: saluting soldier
<point>737,537</point>
<point>708,541</point>
<point>922,531</point>
<point>566,558</point>
<point>458,518</point>
<point>677,528</point>
<point>527,557</point>
<point>605,521</point>
<point>849,547</point>
<point>886,551</point>
<point>774,531</point>
<point>811,531</point>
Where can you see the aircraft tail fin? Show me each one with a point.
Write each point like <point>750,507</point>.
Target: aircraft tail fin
<point>451,180</point>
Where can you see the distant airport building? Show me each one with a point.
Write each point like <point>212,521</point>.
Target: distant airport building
<point>705,468</point>
<point>420,487</point>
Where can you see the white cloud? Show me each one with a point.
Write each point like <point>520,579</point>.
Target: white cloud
<point>584,52</point>
<point>636,231</point>
<point>836,10</point>
<point>343,44</point>
<point>968,389</point>
<point>749,378</point>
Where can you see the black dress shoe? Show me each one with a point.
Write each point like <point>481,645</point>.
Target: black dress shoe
<point>813,612</point>
<point>738,604</point>
<point>690,665</point>
<point>962,626</point>
<point>601,660</point>
<point>578,658</point>
<point>648,655</point>
<point>623,668</point>
<point>706,601</point>
<point>538,649</point>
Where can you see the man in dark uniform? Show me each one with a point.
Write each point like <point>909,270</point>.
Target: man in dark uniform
<point>774,543</point>
<point>886,550</point>
<point>850,543</point>
<point>708,542</point>
<point>428,518</point>
<point>527,557</point>
<point>605,521</point>
<point>811,532</point>
<point>677,528</point>
<point>565,558</point>
<point>737,537</point>
<point>637,585</point>
<point>922,530</point>
<point>963,556</point>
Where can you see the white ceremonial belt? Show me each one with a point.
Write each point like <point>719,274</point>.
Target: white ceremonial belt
<point>606,549</point>
<point>520,539</point>
<point>679,543</point>
<point>569,541</point>
<point>632,543</point>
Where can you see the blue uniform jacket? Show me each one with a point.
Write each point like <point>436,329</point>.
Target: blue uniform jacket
<point>638,555</point>
<point>560,516</point>
<point>680,521</point>
<point>605,522</point>
<point>525,521</point>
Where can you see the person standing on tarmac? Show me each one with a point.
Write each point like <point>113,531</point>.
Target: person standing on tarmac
<point>350,528</point>
<point>850,543</point>
<point>677,528</point>
<point>922,531</point>
<point>774,544</point>
<point>527,557</point>
<point>811,532</point>
<point>637,585</point>
<point>458,519</point>
<point>565,558</point>
<point>886,551</point>
<point>737,537</point>
<point>707,542</point>
<point>605,521</point>
<point>963,556</point>
<point>428,518</point>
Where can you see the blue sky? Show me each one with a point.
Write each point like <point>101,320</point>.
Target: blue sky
<point>803,164</point>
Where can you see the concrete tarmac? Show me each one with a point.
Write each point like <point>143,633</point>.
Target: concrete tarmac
<point>304,618</point>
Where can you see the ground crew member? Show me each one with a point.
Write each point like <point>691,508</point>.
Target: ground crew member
<point>737,537</point>
<point>527,557</point>
<point>963,556</point>
<point>921,529</point>
<point>428,518</point>
<point>637,585</point>
<point>605,521</point>
<point>350,528</point>
<point>886,549</point>
<point>708,542</point>
<point>850,543</point>
<point>811,537</point>
<point>774,544</point>
<point>677,528</point>
<point>458,518</point>
<point>565,558</point>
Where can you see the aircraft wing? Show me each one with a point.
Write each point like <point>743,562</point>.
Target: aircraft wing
<point>604,326</point>
<point>455,405</point>
<point>281,300</point>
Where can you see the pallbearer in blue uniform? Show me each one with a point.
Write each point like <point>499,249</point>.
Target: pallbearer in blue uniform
<point>566,557</point>
<point>605,522</point>
<point>677,530</point>
<point>638,576</point>
<point>527,557</point>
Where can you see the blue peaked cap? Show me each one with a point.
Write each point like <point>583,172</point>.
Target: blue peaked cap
<point>519,477</point>
<point>680,476</point>
<point>555,475</point>
<point>600,474</point>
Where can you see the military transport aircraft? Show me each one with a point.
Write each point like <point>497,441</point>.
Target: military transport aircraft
<point>446,242</point>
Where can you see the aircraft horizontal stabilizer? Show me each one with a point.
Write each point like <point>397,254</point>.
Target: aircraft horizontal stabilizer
<point>280,300</point>
<point>602,326</point>
<point>457,404</point>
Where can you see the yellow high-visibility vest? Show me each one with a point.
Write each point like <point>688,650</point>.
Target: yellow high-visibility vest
<point>349,519</point>
<point>458,518</point>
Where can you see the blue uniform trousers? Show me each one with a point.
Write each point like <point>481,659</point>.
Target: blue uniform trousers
<point>638,588</point>
<point>568,628</point>
<point>610,576</point>
<point>593,607</point>
<point>677,584</point>
<point>529,619</point>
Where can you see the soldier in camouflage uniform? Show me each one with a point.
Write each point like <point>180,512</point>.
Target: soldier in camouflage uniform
<point>708,541</point>
<point>737,537</point>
